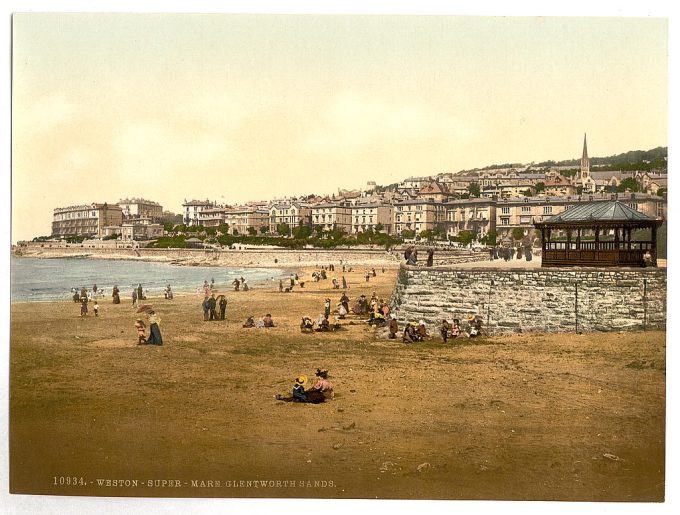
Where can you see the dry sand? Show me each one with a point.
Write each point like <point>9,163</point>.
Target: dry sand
<point>560,416</point>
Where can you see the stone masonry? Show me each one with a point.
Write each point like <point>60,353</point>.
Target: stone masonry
<point>534,300</point>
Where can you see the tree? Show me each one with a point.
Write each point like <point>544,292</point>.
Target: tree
<point>168,226</point>
<point>490,238</point>
<point>211,231</point>
<point>223,228</point>
<point>539,187</point>
<point>466,237</point>
<point>661,192</point>
<point>473,189</point>
<point>319,230</point>
<point>528,193</point>
<point>379,227</point>
<point>629,184</point>
<point>252,231</point>
<point>302,232</point>
<point>408,234</point>
<point>264,229</point>
<point>517,233</point>
<point>283,229</point>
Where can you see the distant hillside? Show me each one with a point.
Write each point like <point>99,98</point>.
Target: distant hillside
<point>656,155</point>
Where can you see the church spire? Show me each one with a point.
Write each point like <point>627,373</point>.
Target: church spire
<point>585,162</point>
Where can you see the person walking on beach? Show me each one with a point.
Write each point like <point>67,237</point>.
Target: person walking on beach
<point>134,298</point>
<point>95,308</point>
<point>327,308</point>
<point>155,337</point>
<point>116,295</point>
<point>280,285</point>
<point>223,307</point>
<point>344,283</point>
<point>83,307</point>
<point>140,293</point>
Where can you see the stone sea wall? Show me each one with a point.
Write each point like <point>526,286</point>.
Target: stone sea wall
<point>226,257</point>
<point>535,300</point>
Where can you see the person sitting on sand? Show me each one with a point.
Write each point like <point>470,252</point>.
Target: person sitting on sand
<point>141,331</point>
<point>268,320</point>
<point>422,330</point>
<point>244,283</point>
<point>300,395</point>
<point>250,321</point>
<point>475,323</point>
<point>307,325</point>
<point>455,328</point>
<point>76,296</point>
<point>322,384</point>
<point>445,329</point>
<point>323,324</point>
<point>393,327</point>
<point>410,333</point>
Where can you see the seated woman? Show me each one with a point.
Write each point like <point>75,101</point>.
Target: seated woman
<point>445,330</point>
<point>455,328</point>
<point>323,385</point>
<point>342,312</point>
<point>422,330</point>
<point>250,322</point>
<point>307,325</point>
<point>410,333</point>
<point>323,324</point>
<point>475,323</point>
<point>268,320</point>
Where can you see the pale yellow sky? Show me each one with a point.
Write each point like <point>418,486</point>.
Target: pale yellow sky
<point>244,107</point>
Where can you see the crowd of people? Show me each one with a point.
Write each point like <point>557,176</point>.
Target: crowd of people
<point>507,253</point>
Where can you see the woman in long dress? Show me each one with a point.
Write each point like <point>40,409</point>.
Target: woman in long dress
<point>155,337</point>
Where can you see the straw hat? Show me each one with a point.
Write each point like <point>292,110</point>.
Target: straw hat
<point>301,379</point>
<point>471,318</point>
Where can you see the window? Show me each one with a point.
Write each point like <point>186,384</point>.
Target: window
<point>547,210</point>
<point>505,221</point>
<point>505,210</point>
<point>526,209</point>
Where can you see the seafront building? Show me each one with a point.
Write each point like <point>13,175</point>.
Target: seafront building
<point>137,208</point>
<point>193,209</point>
<point>85,220</point>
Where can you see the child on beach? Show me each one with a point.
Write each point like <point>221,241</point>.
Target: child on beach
<point>141,331</point>
<point>96,308</point>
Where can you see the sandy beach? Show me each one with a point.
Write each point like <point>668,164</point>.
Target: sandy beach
<point>524,417</point>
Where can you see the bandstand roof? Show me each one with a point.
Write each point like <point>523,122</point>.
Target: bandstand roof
<point>613,212</point>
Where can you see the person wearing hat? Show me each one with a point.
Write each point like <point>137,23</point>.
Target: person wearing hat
<point>299,394</point>
<point>322,384</point>
<point>475,323</point>
<point>410,333</point>
<point>307,325</point>
<point>327,307</point>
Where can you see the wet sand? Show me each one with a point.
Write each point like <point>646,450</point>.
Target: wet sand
<point>559,416</point>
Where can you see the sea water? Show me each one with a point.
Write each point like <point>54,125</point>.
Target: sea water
<point>34,279</point>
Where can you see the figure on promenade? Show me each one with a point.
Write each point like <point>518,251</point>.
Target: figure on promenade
<point>413,258</point>
<point>430,257</point>
<point>407,254</point>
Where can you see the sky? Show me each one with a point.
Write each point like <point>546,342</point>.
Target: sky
<point>251,107</point>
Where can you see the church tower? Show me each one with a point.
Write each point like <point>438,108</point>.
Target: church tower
<point>585,162</point>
